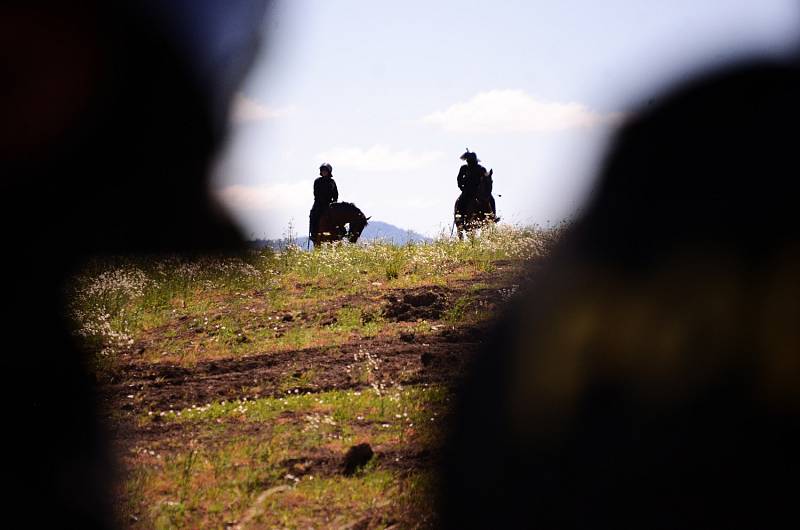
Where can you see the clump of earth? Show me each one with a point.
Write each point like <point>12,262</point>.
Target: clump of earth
<point>427,304</point>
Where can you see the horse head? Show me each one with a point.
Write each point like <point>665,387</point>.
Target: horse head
<point>357,225</point>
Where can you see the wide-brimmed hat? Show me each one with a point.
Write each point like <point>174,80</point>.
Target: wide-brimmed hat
<point>469,155</point>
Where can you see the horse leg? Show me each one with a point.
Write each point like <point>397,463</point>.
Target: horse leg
<point>460,227</point>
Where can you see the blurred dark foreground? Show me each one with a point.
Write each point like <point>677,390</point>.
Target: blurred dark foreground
<point>651,376</point>
<point>111,115</point>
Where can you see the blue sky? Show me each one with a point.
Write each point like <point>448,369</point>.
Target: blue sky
<point>392,93</point>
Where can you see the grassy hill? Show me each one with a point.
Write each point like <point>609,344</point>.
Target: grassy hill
<point>235,387</point>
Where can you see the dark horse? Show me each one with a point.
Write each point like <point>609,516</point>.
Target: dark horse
<point>341,220</point>
<point>471,213</point>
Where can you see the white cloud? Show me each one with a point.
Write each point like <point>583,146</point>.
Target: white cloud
<point>378,158</point>
<point>245,109</point>
<point>514,111</point>
<point>280,195</point>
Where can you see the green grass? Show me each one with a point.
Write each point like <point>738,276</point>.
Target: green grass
<point>375,495</point>
<point>206,484</point>
<point>298,379</point>
<point>115,300</point>
<point>394,405</point>
<point>236,484</point>
<point>456,313</point>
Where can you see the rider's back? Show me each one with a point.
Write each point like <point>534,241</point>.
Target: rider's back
<point>470,178</point>
<point>325,191</point>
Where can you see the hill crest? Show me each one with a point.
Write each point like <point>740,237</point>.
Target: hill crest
<point>375,231</point>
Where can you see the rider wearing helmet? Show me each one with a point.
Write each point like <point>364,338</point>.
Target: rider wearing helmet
<point>325,192</point>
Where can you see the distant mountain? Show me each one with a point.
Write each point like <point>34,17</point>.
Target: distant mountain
<point>391,233</point>
<point>375,230</point>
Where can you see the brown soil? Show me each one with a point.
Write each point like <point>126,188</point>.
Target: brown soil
<point>162,387</point>
<point>427,303</point>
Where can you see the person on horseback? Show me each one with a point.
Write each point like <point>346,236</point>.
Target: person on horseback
<point>475,183</point>
<point>325,193</point>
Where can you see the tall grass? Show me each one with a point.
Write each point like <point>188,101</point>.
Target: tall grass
<point>113,299</point>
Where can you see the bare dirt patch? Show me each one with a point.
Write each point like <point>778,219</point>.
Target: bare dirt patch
<point>161,387</point>
<point>427,303</point>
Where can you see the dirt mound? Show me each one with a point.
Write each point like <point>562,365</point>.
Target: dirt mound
<point>422,304</point>
<point>356,457</point>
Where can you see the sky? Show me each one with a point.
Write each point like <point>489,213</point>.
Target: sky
<point>391,94</point>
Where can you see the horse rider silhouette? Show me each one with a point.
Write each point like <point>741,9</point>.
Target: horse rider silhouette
<point>325,193</point>
<point>475,184</point>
